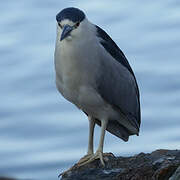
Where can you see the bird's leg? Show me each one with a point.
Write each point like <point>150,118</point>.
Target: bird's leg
<point>91,135</point>
<point>90,142</point>
<point>99,152</point>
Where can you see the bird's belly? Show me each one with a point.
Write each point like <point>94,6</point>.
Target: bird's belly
<point>93,104</point>
<point>68,88</point>
<point>87,99</point>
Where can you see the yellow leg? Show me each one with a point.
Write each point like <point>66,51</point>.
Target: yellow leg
<point>99,152</point>
<point>91,135</point>
<point>90,142</point>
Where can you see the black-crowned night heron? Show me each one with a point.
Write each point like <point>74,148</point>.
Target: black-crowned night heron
<point>94,74</point>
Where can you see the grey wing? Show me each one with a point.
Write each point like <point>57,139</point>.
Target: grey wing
<point>118,88</point>
<point>117,84</point>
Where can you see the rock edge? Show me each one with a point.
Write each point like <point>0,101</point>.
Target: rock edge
<point>158,165</point>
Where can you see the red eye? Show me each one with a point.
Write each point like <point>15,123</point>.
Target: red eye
<point>77,24</point>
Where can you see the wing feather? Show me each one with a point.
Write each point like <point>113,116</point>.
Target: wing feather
<point>118,85</point>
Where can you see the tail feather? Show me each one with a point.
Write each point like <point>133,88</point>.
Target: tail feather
<point>116,129</point>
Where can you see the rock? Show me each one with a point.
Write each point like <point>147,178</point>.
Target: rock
<point>176,175</point>
<point>158,165</point>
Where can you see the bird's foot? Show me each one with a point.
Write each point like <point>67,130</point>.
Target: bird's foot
<point>85,158</point>
<point>88,159</point>
<point>92,157</point>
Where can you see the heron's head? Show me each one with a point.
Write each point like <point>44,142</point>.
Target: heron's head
<point>71,23</point>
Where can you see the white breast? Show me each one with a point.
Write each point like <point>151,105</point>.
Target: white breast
<point>76,67</point>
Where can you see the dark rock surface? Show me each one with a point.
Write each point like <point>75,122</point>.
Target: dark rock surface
<point>158,165</point>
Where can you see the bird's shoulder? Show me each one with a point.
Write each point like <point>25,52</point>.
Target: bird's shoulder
<point>112,48</point>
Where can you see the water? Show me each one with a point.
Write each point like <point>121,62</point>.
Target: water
<point>41,134</point>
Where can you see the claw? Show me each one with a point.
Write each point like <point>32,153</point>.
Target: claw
<point>97,155</point>
<point>84,159</point>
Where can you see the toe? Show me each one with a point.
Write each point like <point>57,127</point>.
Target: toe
<point>85,158</point>
<point>92,158</point>
<point>97,155</point>
<point>101,158</point>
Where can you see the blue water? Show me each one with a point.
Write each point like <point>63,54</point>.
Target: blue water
<point>41,134</point>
